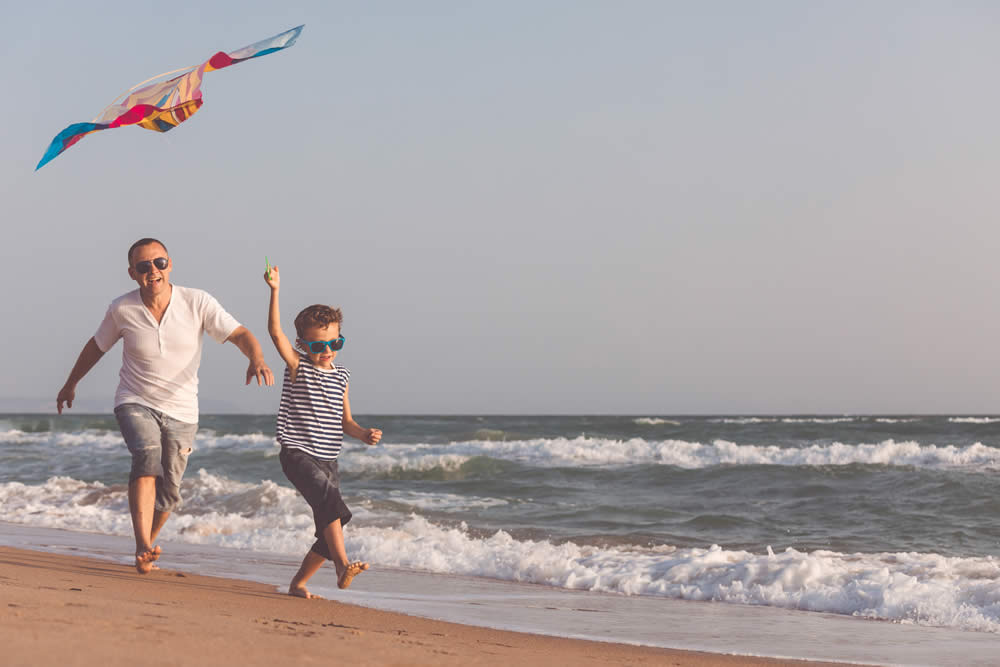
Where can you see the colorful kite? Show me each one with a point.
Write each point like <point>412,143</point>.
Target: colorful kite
<point>163,106</point>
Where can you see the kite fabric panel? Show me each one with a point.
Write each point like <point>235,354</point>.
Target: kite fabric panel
<point>163,106</point>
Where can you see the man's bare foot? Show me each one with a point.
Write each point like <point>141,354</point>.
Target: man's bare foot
<point>144,562</point>
<point>302,592</point>
<point>352,570</point>
<point>154,553</point>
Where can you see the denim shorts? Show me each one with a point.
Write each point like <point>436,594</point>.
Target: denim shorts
<point>160,446</point>
<point>319,483</point>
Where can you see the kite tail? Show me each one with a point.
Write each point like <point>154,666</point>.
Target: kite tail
<point>67,138</point>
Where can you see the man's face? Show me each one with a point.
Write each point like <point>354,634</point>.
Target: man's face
<point>154,280</point>
<point>330,332</point>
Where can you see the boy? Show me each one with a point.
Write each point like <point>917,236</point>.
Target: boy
<point>314,415</point>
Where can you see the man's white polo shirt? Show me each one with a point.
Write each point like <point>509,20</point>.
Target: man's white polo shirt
<point>160,360</point>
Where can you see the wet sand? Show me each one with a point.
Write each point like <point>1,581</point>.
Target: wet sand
<point>70,610</point>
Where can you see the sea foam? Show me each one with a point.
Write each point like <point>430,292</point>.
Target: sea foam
<point>974,420</point>
<point>902,587</point>
<point>112,440</point>
<point>266,517</point>
<point>580,451</point>
<point>600,452</point>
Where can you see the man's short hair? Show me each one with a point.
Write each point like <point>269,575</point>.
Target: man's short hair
<point>317,315</point>
<point>142,242</point>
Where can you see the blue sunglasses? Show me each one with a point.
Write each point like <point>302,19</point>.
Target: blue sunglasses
<point>317,346</point>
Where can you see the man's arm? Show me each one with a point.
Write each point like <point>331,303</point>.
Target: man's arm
<point>243,339</point>
<point>89,356</point>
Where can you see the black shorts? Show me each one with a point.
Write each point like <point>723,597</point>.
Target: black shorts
<point>319,483</point>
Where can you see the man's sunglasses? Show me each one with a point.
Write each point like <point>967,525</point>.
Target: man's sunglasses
<point>147,266</point>
<point>317,346</point>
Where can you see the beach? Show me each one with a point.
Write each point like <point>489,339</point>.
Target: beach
<point>71,610</point>
<point>864,540</point>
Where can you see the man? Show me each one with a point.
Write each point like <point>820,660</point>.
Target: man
<point>156,404</point>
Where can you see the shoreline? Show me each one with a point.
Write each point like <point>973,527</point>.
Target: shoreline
<point>80,610</point>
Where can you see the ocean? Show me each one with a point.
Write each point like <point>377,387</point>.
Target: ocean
<point>876,517</point>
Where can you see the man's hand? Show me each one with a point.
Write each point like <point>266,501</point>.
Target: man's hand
<point>372,436</point>
<point>89,356</point>
<point>248,345</point>
<point>66,395</point>
<point>258,369</point>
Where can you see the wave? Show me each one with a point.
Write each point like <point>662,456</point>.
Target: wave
<point>784,420</point>
<point>974,420</point>
<point>743,420</point>
<point>818,420</point>
<point>911,587</point>
<point>213,506</point>
<point>263,516</point>
<point>112,440</point>
<point>582,451</point>
<point>904,587</point>
<point>93,439</point>
<point>655,421</point>
<point>596,452</point>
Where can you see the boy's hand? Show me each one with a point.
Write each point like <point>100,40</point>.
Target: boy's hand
<point>372,436</point>
<point>273,280</point>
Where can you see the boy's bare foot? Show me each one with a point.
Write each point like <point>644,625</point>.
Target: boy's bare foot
<point>302,592</point>
<point>352,570</point>
<point>144,561</point>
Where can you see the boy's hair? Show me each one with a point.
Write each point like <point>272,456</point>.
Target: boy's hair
<point>142,242</point>
<point>317,315</point>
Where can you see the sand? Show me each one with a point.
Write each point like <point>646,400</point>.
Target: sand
<point>68,610</point>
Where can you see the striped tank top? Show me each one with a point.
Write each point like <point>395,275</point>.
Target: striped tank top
<point>311,413</point>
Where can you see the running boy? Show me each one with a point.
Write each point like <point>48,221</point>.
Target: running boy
<point>314,415</point>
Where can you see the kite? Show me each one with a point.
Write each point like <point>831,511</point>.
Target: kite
<point>163,106</point>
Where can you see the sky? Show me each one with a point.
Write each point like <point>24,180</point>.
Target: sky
<point>643,208</point>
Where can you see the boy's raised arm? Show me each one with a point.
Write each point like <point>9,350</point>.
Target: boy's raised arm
<point>278,337</point>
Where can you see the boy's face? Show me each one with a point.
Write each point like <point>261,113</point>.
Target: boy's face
<point>325,358</point>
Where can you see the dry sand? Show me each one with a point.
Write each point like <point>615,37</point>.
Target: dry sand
<point>68,610</point>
